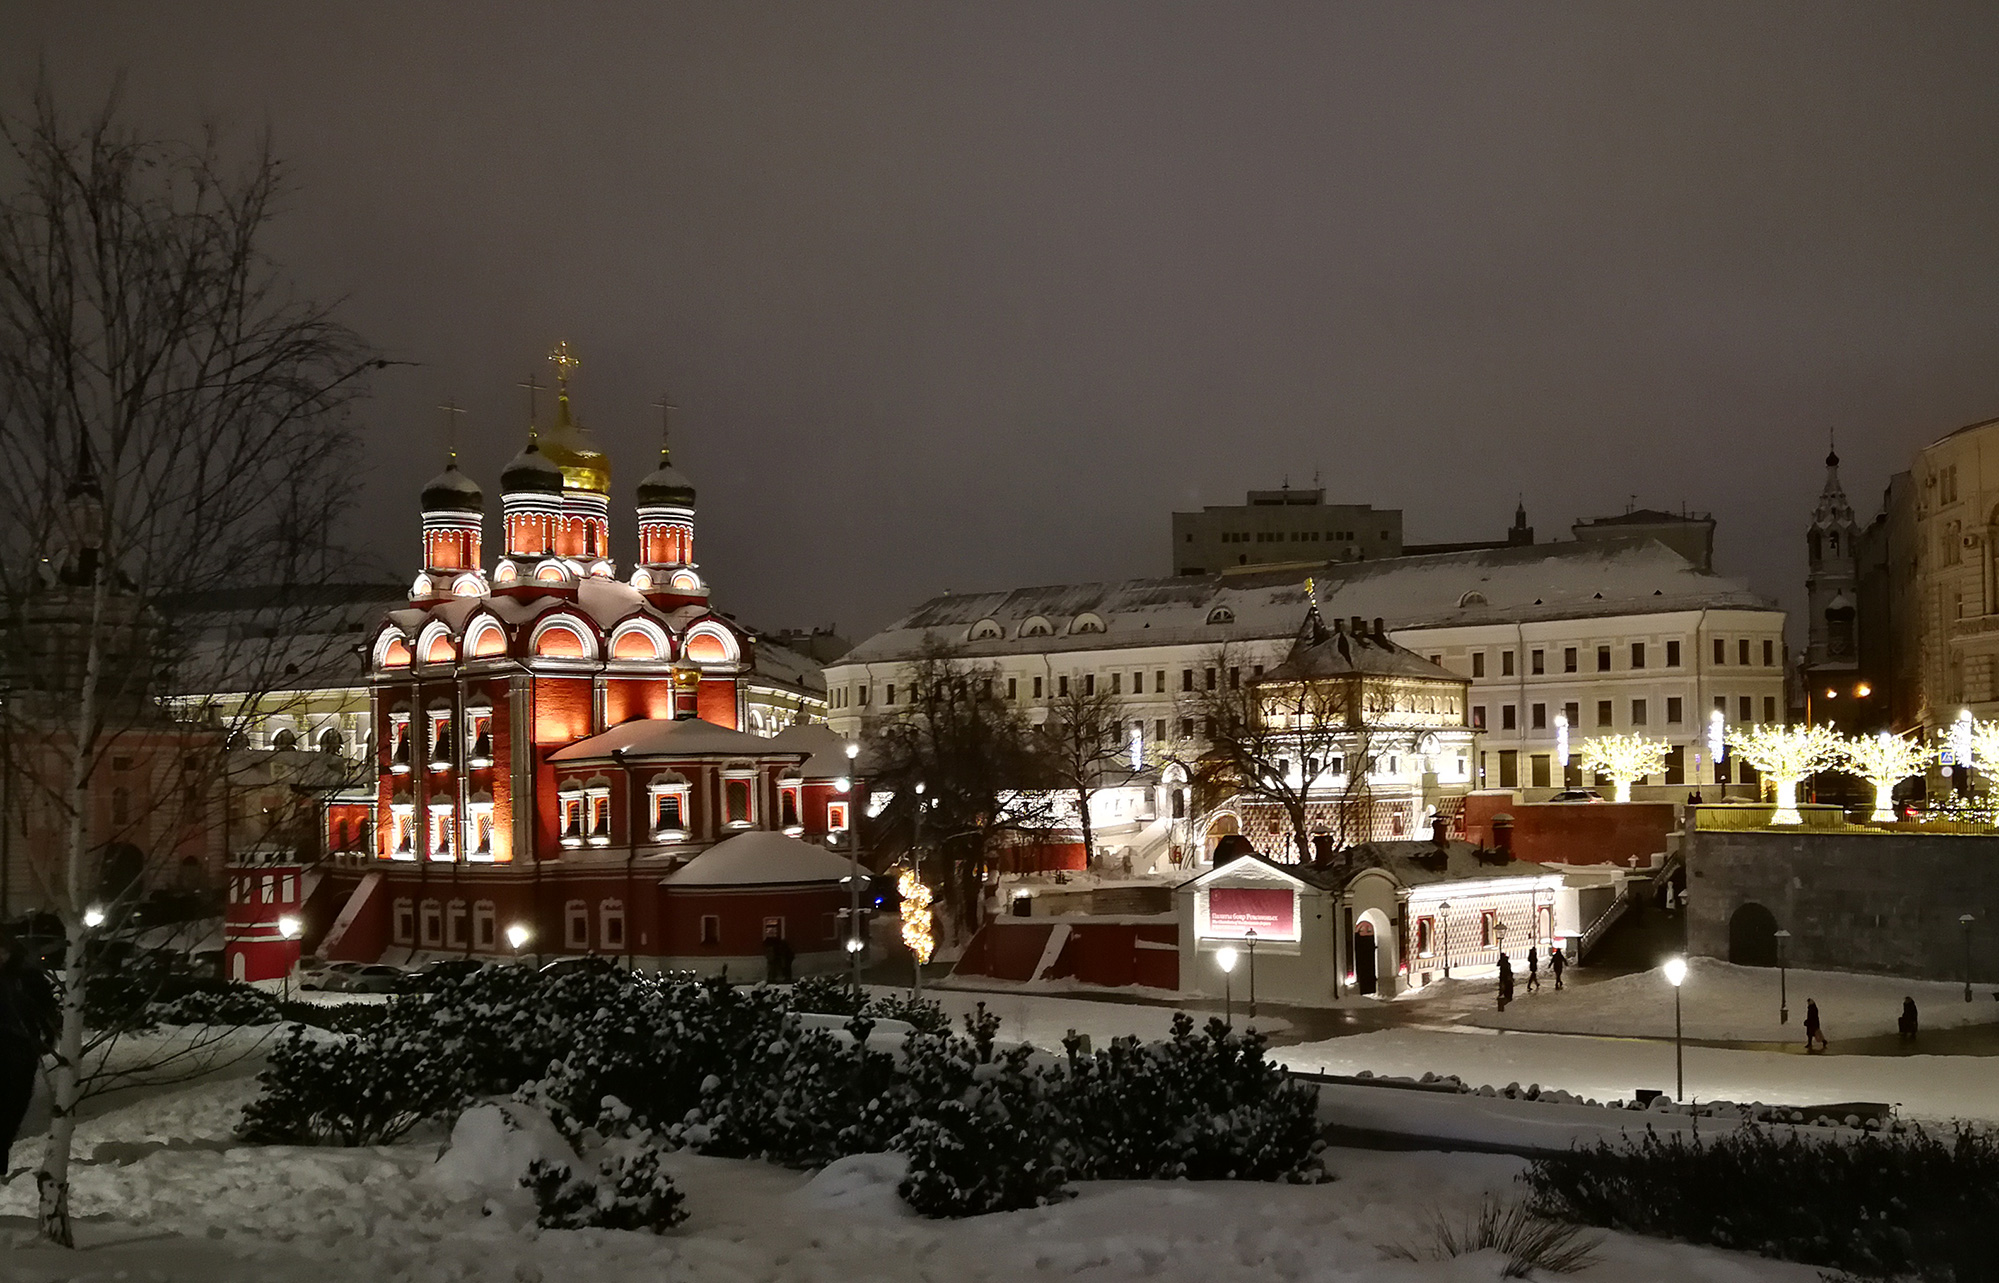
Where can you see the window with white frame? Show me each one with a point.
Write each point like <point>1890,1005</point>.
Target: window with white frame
<point>443,826</point>
<point>405,919</point>
<point>439,739</point>
<point>433,924</point>
<point>402,834</point>
<point>611,923</point>
<point>399,743</point>
<point>455,922</point>
<point>479,736</point>
<point>668,793</point>
<point>836,817</point>
<point>576,925</point>
<point>479,828</point>
<point>569,804</point>
<point>597,805</point>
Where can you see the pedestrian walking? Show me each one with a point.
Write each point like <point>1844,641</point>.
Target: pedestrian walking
<point>1505,981</point>
<point>1906,1024</point>
<point>1533,969</point>
<point>28,1015</point>
<point>1557,964</point>
<point>1814,1031</point>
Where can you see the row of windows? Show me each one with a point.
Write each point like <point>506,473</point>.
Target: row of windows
<point>1010,688</point>
<point>1641,711</point>
<point>1279,536</point>
<point>267,888</point>
<point>1639,656</point>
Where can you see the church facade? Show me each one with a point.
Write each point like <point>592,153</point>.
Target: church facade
<point>564,761</point>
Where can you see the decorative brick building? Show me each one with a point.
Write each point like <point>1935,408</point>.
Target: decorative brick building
<point>566,752</point>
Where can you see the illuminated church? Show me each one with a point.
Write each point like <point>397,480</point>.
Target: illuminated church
<point>564,754</point>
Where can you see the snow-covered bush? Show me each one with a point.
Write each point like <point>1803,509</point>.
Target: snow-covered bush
<point>233,1004</point>
<point>825,995</point>
<point>627,1190</point>
<point>1204,1106</point>
<point>351,1089</point>
<point>924,1016</point>
<point>804,1098</point>
<point>988,1149</point>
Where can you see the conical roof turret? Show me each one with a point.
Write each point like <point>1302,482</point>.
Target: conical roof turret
<point>452,491</point>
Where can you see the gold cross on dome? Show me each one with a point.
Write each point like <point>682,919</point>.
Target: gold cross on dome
<point>666,407</point>
<point>564,362</point>
<point>1310,589</point>
<point>452,414</point>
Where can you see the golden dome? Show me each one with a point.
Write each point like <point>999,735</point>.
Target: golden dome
<point>567,444</point>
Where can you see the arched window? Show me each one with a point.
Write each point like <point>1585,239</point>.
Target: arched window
<point>395,653</point>
<point>488,639</point>
<point>1038,626</point>
<point>1472,598</point>
<point>1221,615</point>
<point>284,741</point>
<point>561,641</point>
<point>707,648</point>
<point>986,630</point>
<point>440,650</point>
<point>331,741</point>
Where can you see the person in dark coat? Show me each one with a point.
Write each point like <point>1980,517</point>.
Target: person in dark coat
<point>1557,963</point>
<point>1814,1031</point>
<point>1533,968</point>
<point>1907,1023</point>
<point>28,1015</point>
<point>1505,981</point>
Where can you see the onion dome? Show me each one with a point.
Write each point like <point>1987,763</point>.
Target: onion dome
<point>666,485</point>
<point>453,491</point>
<point>531,471</point>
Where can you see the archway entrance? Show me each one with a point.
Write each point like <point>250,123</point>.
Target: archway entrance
<point>1752,937</point>
<point>1365,979</point>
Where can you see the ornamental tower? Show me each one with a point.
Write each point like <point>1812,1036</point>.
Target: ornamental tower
<point>530,509</point>
<point>666,528</point>
<point>583,534</point>
<point>1831,578</point>
<point>454,510</point>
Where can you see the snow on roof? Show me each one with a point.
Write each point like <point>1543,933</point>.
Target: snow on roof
<point>759,857</point>
<point>828,750</point>
<point>1411,864</point>
<point>686,737</point>
<point>1322,652</point>
<point>1490,585</point>
<point>783,666</point>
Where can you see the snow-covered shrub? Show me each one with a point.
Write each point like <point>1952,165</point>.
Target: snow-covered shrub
<point>1877,1206</point>
<point>826,995</point>
<point>233,1004</point>
<point>925,1017</point>
<point>1527,1241</point>
<point>987,1149</point>
<point>982,1027</point>
<point>803,1098</point>
<point>351,1089</point>
<point>1195,1107</point>
<point>627,1190</point>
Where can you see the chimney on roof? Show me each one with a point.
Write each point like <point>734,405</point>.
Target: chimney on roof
<point>1339,625</point>
<point>1359,626</point>
<point>1380,633</point>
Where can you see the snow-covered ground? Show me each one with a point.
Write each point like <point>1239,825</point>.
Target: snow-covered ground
<point>206,1209</point>
<point>1740,1004</point>
<point>1926,1087</point>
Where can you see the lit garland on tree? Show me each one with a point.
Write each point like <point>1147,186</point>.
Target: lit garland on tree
<point>918,922</point>
<point>1624,758</point>
<point>1787,754</point>
<point>1884,761</point>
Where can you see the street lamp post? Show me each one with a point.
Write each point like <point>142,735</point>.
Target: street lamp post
<point>1676,973</point>
<point>1444,921</point>
<point>853,870</point>
<point>1225,959</point>
<point>1249,938</point>
<point>1783,994</point>
<point>1964,921</point>
<point>517,935</point>
<point>288,927</point>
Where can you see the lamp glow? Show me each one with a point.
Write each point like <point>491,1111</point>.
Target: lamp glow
<point>1225,959</point>
<point>853,944</point>
<point>1562,739</point>
<point>853,749</point>
<point>93,917</point>
<point>1676,971</point>
<point>288,927</point>
<point>517,935</point>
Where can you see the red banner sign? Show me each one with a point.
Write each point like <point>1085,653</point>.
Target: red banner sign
<point>1271,912</point>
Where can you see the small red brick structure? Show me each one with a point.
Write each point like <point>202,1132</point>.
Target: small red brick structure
<point>1572,832</point>
<point>1110,951</point>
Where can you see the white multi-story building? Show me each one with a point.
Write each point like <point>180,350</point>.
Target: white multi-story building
<point>1622,636</point>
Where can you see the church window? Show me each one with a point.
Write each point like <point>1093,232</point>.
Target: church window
<point>576,925</point>
<point>455,923</point>
<point>396,654</point>
<point>405,916</point>
<point>669,810</point>
<point>484,935</point>
<point>433,924</point>
<point>787,802</point>
<point>442,823</point>
<point>1672,654</point>
<point>440,740</point>
<point>569,805</point>
<point>836,817</point>
<point>611,923</point>
<point>739,798</point>
<point>479,738</point>
<point>711,930</point>
<point>598,804</point>
<point>479,830</point>
<point>560,642</point>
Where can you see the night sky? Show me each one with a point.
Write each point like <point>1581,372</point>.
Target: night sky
<point>972,296</point>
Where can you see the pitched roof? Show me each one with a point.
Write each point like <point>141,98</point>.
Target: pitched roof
<point>1617,576</point>
<point>686,737</point>
<point>759,857</point>
<point>1321,653</point>
<point>1411,863</point>
<point>828,760</point>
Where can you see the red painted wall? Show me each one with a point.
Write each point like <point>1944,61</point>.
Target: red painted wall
<point>810,915</point>
<point>1043,857</point>
<point>1108,953</point>
<point>1006,949</point>
<point>1573,832</point>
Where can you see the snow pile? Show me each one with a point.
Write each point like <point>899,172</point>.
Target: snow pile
<point>490,1151</point>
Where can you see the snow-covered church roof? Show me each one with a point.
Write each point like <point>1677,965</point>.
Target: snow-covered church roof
<point>1493,585</point>
<point>759,858</point>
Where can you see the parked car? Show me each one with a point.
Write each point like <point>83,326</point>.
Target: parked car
<point>1577,795</point>
<point>376,978</point>
<point>332,978</point>
<point>429,977</point>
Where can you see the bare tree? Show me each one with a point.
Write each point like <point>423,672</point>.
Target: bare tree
<point>172,419</point>
<point>1258,732</point>
<point>1077,743</point>
<point>975,756</point>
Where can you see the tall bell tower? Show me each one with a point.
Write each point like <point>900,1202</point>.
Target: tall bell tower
<point>1832,644</point>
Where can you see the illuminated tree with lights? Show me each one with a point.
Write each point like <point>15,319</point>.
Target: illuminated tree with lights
<point>1624,758</point>
<point>1787,754</point>
<point>918,923</point>
<point>1884,761</point>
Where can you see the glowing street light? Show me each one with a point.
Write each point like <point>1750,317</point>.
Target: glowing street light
<point>1676,975</point>
<point>517,935</point>
<point>289,927</point>
<point>93,917</point>
<point>1225,959</point>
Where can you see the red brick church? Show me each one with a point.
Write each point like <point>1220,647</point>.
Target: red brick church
<point>562,754</point>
